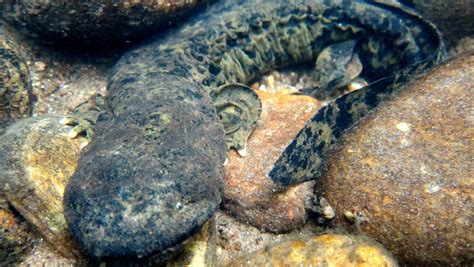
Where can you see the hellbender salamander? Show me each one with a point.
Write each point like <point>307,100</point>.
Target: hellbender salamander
<point>152,174</point>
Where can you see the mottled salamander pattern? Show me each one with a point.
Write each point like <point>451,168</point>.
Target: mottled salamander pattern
<point>15,87</point>
<point>152,174</point>
<point>305,156</point>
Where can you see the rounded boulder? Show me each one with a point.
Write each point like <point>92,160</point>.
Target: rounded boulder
<point>406,171</point>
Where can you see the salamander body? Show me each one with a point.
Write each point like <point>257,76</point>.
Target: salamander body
<point>152,175</point>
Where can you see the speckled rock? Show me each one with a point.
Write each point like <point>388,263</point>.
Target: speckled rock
<point>453,18</point>
<point>16,237</point>
<point>248,193</point>
<point>15,84</point>
<point>94,22</point>
<point>408,170</point>
<point>38,158</point>
<point>323,250</point>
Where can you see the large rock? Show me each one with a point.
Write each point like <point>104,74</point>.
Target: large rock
<point>248,193</point>
<point>323,250</point>
<point>37,159</point>
<point>15,84</point>
<point>408,167</point>
<point>94,22</point>
<point>197,251</point>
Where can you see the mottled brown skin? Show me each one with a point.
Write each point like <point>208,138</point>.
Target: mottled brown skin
<point>159,99</point>
<point>239,109</point>
<point>408,168</point>
<point>306,155</point>
<point>15,84</point>
<point>94,22</point>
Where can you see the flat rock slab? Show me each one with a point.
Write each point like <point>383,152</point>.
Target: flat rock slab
<point>408,169</point>
<point>249,194</point>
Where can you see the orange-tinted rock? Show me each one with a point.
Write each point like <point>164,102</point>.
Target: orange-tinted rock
<point>408,169</point>
<point>249,194</point>
<point>234,239</point>
<point>323,250</point>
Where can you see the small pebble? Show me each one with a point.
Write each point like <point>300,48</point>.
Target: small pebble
<point>40,66</point>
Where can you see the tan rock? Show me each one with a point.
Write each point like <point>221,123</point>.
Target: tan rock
<point>234,239</point>
<point>197,251</point>
<point>249,194</point>
<point>44,254</point>
<point>408,169</point>
<point>323,250</point>
<point>38,158</point>
<point>99,23</point>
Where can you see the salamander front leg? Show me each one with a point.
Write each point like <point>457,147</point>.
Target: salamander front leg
<point>84,117</point>
<point>239,108</point>
<point>79,126</point>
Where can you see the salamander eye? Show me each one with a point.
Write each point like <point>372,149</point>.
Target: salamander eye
<point>239,108</point>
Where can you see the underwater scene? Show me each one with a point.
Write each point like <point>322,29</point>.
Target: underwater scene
<point>236,133</point>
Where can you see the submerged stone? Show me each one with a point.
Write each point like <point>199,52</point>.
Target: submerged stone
<point>407,170</point>
<point>323,250</point>
<point>94,22</point>
<point>248,193</point>
<point>15,88</point>
<point>37,159</point>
